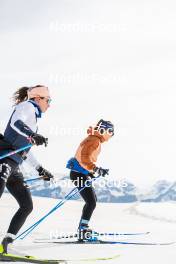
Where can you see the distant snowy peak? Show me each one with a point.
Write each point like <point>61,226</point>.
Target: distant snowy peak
<point>162,191</point>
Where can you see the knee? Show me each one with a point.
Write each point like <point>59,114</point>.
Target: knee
<point>92,204</point>
<point>30,208</point>
<point>27,209</point>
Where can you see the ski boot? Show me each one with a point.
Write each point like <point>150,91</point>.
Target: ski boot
<point>86,234</point>
<point>4,244</point>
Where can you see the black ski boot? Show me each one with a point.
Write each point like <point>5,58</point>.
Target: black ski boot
<point>4,244</point>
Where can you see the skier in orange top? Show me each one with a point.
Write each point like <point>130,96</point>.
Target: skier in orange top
<point>83,166</point>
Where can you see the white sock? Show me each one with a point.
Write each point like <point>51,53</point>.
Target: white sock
<point>10,235</point>
<point>84,221</point>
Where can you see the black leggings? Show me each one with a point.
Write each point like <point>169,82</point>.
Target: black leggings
<point>12,178</point>
<point>88,194</point>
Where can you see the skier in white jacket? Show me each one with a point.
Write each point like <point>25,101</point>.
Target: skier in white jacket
<point>21,130</point>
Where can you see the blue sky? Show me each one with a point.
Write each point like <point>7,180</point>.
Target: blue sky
<point>101,59</point>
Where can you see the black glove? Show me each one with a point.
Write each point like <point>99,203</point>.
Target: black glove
<point>38,139</point>
<point>47,176</point>
<point>91,175</point>
<point>101,172</point>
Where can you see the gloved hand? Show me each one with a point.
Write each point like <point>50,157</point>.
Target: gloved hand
<point>101,172</point>
<point>38,139</point>
<point>91,175</point>
<point>47,176</point>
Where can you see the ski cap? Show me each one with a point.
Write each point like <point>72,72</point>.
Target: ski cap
<point>105,126</point>
<point>38,91</point>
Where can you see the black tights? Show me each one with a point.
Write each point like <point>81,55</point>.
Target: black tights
<point>88,194</point>
<point>12,178</point>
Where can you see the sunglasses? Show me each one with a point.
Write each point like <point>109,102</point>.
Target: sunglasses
<point>48,100</point>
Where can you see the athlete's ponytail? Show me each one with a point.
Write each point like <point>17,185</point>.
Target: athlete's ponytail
<point>20,95</point>
<point>25,93</point>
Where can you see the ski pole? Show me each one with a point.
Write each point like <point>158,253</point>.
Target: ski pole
<point>41,220</point>
<point>30,229</point>
<point>66,198</point>
<point>34,179</point>
<point>15,151</point>
<point>27,231</point>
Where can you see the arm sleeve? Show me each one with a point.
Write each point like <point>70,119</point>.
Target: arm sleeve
<point>22,127</point>
<point>32,161</point>
<point>87,150</point>
<point>23,113</point>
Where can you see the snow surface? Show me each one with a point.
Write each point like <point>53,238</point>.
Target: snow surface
<point>159,219</point>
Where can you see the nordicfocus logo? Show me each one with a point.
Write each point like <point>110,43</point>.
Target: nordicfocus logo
<point>100,183</point>
<point>86,235</point>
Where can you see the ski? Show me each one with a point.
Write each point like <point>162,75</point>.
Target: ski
<point>140,243</point>
<point>93,242</point>
<point>96,234</point>
<point>94,259</point>
<point>29,259</point>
